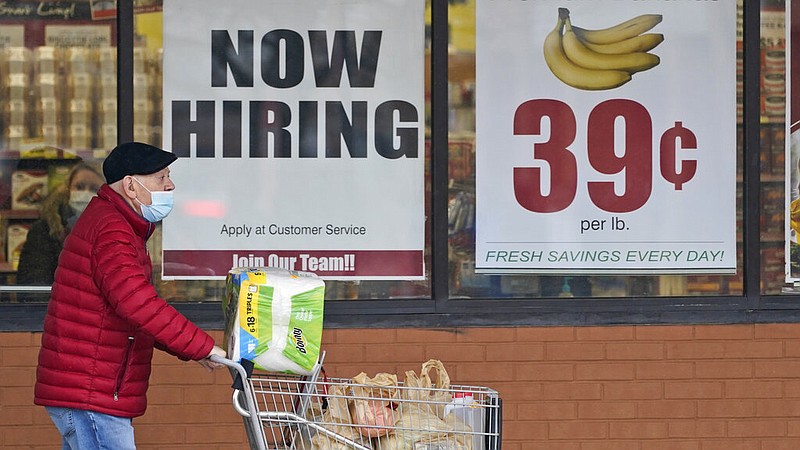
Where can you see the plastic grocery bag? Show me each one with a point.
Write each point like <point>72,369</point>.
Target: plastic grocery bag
<point>421,420</point>
<point>337,419</point>
<point>374,402</point>
<point>273,317</point>
<point>430,392</point>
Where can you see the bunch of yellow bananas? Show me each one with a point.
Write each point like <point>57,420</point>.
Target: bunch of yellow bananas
<point>601,59</point>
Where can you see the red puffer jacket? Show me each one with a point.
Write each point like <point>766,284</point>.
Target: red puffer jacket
<point>105,316</point>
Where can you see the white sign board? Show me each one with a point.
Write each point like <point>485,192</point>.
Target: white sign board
<point>299,127</point>
<point>595,155</point>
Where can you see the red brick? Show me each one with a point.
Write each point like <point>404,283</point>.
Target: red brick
<point>703,429</point>
<point>664,371</point>
<point>618,333</point>
<point>185,373</point>
<point>19,340</point>
<point>546,334</point>
<point>778,408</point>
<point>365,335</point>
<point>351,370</point>
<point>635,351</point>
<point>158,434</point>
<point>753,350</point>
<point>524,431</point>
<point>606,410</point>
<point>17,376</point>
<point>16,396</point>
<point>170,395</point>
<point>520,391</point>
<point>731,444</point>
<point>349,353</point>
<point>633,390</point>
<point>784,331</point>
<point>678,390</point>
<point>578,430</point>
<point>726,408</point>
<point>485,372</point>
<point>549,446</point>
<point>485,335</point>
<point>395,353</point>
<point>781,444</point>
<point>438,336</point>
<point>667,409</point>
<point>639,429</point>
<point>574,351</point>
<point>516,352</point>
<point>756,428</point>
<point>610,445</point>
<point>178,414</point>
<point>672,444</point>
<point>450,353</point>
<point>723,369</point>
<point>753,389</point>
<point>791,388</point>
<point>791,351</point>
<point>545,372</point>
<point>34,437</point>
<point>777,369</point>
<point>604,371</point>
<point>724,332</point>
<point>547,411</point>
<point>557,390</point>
<point>663,332</point>
<point>695,350</point>
<point>40,416</point>
<point>16,415</point>
<point>793,427</point>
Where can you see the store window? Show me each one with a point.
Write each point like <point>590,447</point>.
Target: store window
<point>58,69</point>
<point>82,125</point>
<point>59,85</point>
<point>466,283</point>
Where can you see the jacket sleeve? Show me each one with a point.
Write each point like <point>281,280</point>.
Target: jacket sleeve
<point>124,281</point>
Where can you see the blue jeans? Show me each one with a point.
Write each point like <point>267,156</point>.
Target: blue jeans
<point>89,430</point>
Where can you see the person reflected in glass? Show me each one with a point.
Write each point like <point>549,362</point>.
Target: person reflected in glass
<point>57,213</point>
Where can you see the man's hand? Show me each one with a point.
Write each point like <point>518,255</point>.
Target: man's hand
<point>211,365</point>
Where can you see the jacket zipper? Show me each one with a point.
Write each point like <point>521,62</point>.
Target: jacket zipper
<point>124,368</point>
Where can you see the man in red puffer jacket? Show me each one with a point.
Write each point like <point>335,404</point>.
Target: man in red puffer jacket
<point>105,317</point>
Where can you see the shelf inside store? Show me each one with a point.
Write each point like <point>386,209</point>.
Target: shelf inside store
<point>19,213</point>
<point>52,153</point>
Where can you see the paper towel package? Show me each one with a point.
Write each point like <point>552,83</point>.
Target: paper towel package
<point>273,317</point>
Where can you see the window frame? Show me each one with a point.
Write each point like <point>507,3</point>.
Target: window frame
<point>441,310</point>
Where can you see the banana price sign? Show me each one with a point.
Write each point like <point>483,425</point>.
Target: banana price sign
<point>606,136</point>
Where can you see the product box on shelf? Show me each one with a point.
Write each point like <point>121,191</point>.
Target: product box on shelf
<point>56,176</point>
<point>28,188</point>
<point>17,234</point>
<point>6,170</point>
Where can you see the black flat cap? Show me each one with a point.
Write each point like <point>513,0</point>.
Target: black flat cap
<point>135,158</point>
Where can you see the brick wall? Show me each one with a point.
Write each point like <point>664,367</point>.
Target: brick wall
<point>726,387</point>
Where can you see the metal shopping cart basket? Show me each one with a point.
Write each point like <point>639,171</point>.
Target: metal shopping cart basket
<point>314,412</point>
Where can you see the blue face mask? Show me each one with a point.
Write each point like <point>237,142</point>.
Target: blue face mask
<point>160,206</point>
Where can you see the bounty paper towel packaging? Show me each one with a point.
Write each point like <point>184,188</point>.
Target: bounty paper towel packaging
<point>273,317</point>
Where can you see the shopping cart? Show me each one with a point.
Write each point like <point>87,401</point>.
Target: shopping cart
<point>314,412</point>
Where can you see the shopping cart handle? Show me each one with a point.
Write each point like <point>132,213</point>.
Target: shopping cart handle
<point>224,361</point>
<point>243,370</point>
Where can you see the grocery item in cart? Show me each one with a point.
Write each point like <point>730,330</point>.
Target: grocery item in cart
<point>374,404</point>
<point>315,412</point>
<point>273,317</point>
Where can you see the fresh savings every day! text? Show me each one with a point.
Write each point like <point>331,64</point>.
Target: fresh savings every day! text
<point>603,142</point>
<point>309,121</point>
